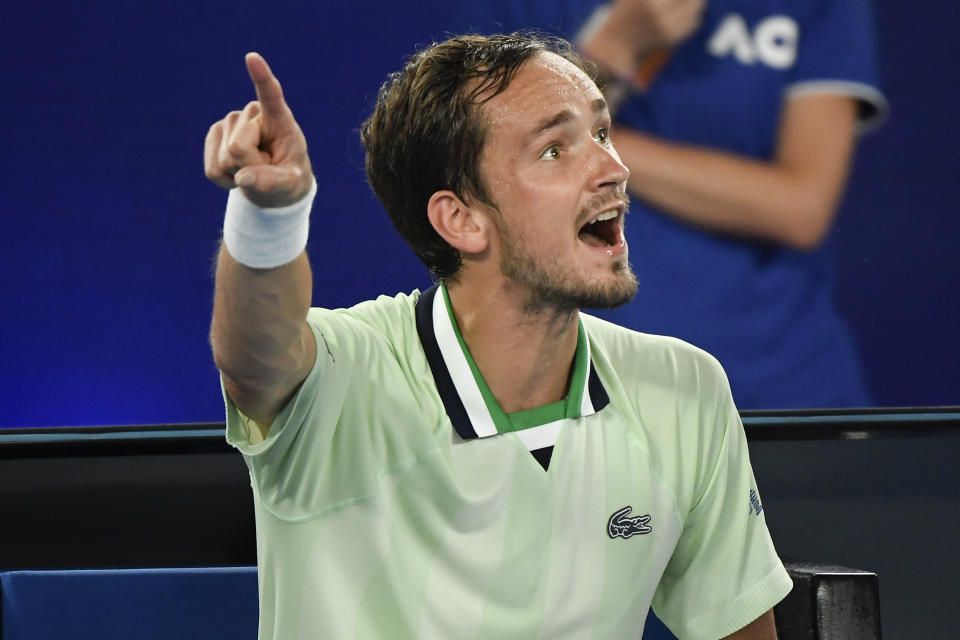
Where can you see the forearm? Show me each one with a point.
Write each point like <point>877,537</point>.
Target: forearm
<point>261,341</point>
<point>724,192</point>
<point>790,199</point>
<point>260,338</point>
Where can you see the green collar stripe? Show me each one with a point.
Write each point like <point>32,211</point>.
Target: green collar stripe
<point>537,416</point>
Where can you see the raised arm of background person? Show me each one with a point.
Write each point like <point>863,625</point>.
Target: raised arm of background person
<point>791,199</point>
<point>635,29</point>
<point>261,342</point>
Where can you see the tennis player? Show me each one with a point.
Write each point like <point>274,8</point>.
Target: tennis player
<point>480,459</point>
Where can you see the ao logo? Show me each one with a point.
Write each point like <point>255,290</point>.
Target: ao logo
<point>774,41</point>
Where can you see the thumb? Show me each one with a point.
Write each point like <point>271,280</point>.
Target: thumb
<point>272,185</point>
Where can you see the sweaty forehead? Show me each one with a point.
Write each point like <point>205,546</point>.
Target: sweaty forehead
<point>545,82</point>
<point>559,69</point>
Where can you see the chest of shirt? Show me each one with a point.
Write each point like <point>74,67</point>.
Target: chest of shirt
<point>480,537</point>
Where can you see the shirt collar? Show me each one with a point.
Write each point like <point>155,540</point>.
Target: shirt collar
<point>467,399</point>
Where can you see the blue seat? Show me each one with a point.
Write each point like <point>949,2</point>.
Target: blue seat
<point>146,604</point>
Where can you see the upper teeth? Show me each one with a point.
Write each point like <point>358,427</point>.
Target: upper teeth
<point>606,215</point>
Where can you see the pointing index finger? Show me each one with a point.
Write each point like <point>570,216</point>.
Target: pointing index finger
<point>269,92</point>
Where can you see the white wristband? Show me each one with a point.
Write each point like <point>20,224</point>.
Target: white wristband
<point>264,238</point>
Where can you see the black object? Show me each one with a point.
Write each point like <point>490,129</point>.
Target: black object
<point>93,498</point>
<point>829,603</point>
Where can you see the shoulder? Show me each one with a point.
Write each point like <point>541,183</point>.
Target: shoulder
<point>638,358</point>
<point>381,309</point>
<point>386,317</point>
<point>368,335</point>
<point>668,391</point>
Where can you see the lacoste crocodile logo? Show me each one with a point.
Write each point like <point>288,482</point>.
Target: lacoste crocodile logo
<point>622,526</point>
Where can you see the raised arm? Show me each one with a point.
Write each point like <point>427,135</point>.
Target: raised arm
<point>261,342</point>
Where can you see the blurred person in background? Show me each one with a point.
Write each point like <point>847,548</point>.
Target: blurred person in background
<point>738,121</point>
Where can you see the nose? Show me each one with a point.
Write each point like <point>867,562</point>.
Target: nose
<point>607,170</point>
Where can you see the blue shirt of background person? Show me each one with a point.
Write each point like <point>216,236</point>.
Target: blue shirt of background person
<point>739,151</point>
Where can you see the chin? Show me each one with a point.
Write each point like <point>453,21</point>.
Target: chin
<point>615,293</point>
<point>609,299</point>
<point>552,287</point>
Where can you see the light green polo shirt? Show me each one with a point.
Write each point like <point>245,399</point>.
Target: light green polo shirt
<point>394,498</point>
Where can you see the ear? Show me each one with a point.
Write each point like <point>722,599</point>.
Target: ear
<point>462,226</point>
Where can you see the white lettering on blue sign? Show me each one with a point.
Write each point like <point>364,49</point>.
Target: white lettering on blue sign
<point>773,42</point>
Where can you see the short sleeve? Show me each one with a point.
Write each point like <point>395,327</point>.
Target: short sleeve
<point>724,572</point>
<point>332,442</point>
<point>305,427</point>
<point>837,54</point>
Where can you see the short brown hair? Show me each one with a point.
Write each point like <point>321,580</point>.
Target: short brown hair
<point>426,135</point>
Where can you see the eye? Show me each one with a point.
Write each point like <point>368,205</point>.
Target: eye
<point>551,153</point>
<point>603,136</point>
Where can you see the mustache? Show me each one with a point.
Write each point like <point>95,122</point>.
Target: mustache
<point>603,201</point>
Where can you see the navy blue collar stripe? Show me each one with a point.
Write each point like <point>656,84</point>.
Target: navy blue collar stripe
<point>598,395</point>
<point>441,376</point>
<point>543,456</point>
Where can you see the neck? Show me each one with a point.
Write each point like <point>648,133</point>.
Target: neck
<point>524,352</point>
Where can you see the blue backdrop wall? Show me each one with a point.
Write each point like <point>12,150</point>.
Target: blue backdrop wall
<point>110,227</point>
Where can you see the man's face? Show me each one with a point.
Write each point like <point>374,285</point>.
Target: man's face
<point>559,187</point>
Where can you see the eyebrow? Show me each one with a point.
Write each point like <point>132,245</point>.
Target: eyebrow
<point>598,105</point>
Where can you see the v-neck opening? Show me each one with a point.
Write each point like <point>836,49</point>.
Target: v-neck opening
<point>462,390</point>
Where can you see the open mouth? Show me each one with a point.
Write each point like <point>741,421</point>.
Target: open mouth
<point>602,231</point>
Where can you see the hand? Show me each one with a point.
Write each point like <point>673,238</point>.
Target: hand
<point>636,28</point>
<point>261,148</point>
<point>656,24</point>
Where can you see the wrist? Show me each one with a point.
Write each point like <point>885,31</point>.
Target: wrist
<point>266,237</point>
